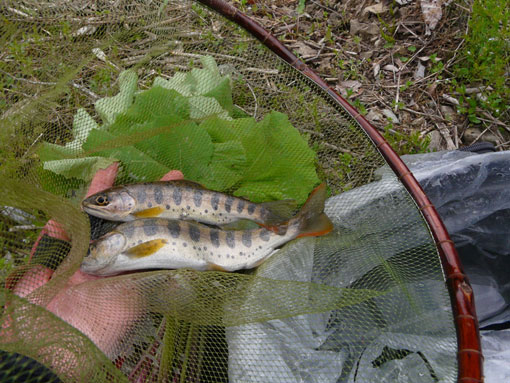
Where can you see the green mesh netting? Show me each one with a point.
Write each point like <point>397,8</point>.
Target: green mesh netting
<point>365,303</point>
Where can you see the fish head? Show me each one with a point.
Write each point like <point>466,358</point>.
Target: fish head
<point>103,252</point>
<point>114,204</point>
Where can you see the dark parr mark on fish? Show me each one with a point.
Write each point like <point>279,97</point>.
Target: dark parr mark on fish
<point>129,230</point>
<point>246,238</point>
<point>177,196</point>
<point>215,200</point>
<point>149,228</point>
<point>215,237</point>
<point>158,195</point>
<point>194,233</point>
<point>251,208</point>
<point>141,196</point>
<point>197,197</point>
<point>264,235</point>
<point>231,242</point>
<point>175,228</point>
<point>228,203</point>
<point>240,206</point>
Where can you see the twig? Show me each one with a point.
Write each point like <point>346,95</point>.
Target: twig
<point>85,90</point>
<point>446,135</point>
<point>480,135</point>
<point>398,92</point>
<point>494,120</point>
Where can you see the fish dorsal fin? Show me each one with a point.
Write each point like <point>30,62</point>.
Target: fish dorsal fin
<point>279,211</point>
<point>149,213</point>
<point>147,248</point>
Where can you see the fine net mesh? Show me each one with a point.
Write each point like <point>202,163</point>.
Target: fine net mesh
<point>366,302</point>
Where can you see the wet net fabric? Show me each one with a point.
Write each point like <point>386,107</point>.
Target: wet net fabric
<point>365,303</point>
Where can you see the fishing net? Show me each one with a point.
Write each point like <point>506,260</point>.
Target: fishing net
<point>157,86</point>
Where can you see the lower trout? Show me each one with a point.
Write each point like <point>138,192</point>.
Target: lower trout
<point>155,243</point>
<point>184,200</point>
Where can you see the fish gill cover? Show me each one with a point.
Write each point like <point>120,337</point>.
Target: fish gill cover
<point>187,122</point>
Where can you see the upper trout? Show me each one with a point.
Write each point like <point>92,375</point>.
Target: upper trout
<point>182,200</point>
<point>155,243</point>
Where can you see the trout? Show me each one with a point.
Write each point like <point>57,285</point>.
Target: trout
<point>182,200</point>
<point>155,243</point>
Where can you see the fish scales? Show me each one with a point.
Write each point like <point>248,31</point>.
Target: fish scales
<point>153,243</point>
<point>188,244</point>
<point>182,200</point>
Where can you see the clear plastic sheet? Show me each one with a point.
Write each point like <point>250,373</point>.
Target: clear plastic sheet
<point>395,341</point>
<point>471,193</point>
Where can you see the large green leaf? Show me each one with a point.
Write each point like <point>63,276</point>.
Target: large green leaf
<point>186,147</point>
<point>109,107</point>
<point>227,166</point>
<point>280,163</point>
<point>136,164</point>
<point>81,168</point>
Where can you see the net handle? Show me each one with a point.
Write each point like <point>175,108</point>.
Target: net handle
<point>469,355</point>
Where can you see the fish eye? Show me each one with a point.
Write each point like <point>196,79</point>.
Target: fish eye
<point>102,200</point>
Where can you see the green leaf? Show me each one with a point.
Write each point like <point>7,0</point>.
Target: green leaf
<point>137,165</point>
<point>149,105</point>
<point>227,166</point>
<point>301,6</point>
<point>223,94</point>
<point>109,107</point>
<point>186,147</point>
<point>50,152</point>
<point>81,168</point>
<point>280,165</point>
<point>83,123</point>
<point>201,107</point>
<point>197,82</point>
<point>221,130</point>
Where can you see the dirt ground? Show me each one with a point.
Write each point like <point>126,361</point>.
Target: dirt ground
<point>390,61</point>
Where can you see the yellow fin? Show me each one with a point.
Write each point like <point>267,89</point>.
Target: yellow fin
<point>147,248</point>
<point>215,267</point>
<point>149,213</point>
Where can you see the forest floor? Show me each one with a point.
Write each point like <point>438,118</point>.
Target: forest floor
<point>405,64</point>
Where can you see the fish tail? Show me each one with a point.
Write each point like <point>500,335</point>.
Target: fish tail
<point>278,211</point>
<point>311,220</point>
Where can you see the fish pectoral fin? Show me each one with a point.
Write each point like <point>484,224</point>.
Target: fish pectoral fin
<point>149,213</point>
<point>147,248</point>
<point>215,267</point>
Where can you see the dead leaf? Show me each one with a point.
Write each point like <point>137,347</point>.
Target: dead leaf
<point>450,99</point>
<point>374,115</point>
<point>432,13</point>
<point>377,69</point>
<point>391,116</point>
<point>420,71</point>
<point>304,50</point>
<point>351,84</point>
<point>366,55</point>
<point>357,28</point>
<point>376,9</point>
<point>391,68</point>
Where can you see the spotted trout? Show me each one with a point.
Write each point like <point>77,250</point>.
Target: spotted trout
<point>155,243</point>
<point>184,200</point>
